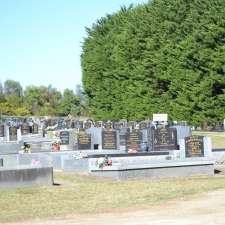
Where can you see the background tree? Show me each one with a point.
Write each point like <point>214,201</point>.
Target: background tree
<point>163,56</point>
<point>12,87</point>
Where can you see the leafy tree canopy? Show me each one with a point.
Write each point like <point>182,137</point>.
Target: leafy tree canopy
<point>163,56</point>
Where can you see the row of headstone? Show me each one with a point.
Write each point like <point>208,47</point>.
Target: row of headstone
<point>149,139</point>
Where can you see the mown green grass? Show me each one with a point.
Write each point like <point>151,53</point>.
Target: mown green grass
<point>82,194</point>
<point>218,138</point>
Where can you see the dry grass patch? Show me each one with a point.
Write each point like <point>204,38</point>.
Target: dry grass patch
<point>82,194</point>
<point>218,138</point>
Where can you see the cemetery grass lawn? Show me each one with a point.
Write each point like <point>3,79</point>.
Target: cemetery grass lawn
<point>218,138</point>
<point>79,194</point>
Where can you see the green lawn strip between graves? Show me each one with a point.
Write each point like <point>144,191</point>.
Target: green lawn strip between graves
<point>83,194</point>
<point>218,138</point>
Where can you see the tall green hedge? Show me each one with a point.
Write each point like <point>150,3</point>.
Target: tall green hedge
<point>165,56</point>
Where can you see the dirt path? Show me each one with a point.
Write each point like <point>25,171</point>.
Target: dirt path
<point>204,209</point>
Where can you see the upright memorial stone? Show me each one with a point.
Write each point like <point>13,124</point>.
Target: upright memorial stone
<point>79,124</point>
<point>142,125</point>
<point>83,141</point>
<point>165,139</point>
<point>2,130</point>
<point>35,128</point>
<point>109,139</point>
<point>98,124</point>
<point>108,125</point>
<point>118,125</point>
<point>134,140</point>
<point>123,137</point>
<point>131,125</point>
<point>87,125</point>
<point>25,129</point>
<point>12,133</point>
<point>64,137</point>
<point>194,146</point>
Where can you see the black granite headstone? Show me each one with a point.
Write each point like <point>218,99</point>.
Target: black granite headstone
<point>134,140</point>
<point>165,139</point>
<point>64,137</point>
<point>12,133</point>
<point>194,146</point>
<point>84,141</point>
<point>109,139</point>
<point>2,131</point>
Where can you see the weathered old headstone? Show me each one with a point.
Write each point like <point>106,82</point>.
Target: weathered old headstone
<point>109,139</point>
<point>64,137</point>
<point>12,133</point>
<point>83,141</point>
<point>165,139</point>
<point>194,146</point>
<point>134,140</point>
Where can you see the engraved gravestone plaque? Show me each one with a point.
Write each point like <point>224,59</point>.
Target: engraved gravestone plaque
<point>194,146</point>
<point>134,140</point>
<point>165,139</point>
<point>64,137</point>
<point>109,139</point>
<point>84,141</point>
